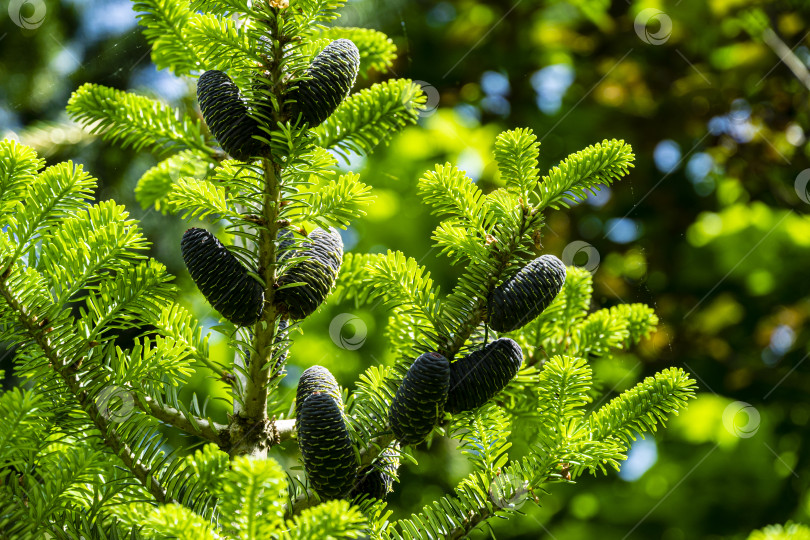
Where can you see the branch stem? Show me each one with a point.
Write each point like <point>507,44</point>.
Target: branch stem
<point>192,425</point>
<point>251,431</point>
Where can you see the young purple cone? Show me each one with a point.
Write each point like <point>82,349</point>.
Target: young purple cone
<point>326,448</point>
<point>222,279</point>
<point>420,398</point>
<point>315,275</point>
<point>522,298</point>
<point>226,114</point>
<point>330,78</point>
<point>316,379</point>
<point>476,378</point>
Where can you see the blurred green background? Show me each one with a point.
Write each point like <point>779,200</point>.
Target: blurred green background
<point>711,227</point>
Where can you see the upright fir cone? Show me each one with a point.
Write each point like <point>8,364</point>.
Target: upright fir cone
<point>222,279</point>
<point>226,114</point>
<point>476,378</point>
<point>330,78</point>
<point>377,479</point>
<point>326,448</point>
<point>316,379</point>
<point>316,274</point>
<point>420,398</point>
<point>521,299</point>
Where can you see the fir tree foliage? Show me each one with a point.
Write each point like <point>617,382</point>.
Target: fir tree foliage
<point>82,451</point>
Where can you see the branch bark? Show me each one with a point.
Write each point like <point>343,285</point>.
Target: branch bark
<point>193,425</point>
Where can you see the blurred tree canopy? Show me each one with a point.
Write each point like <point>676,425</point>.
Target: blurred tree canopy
<point>711,227</point>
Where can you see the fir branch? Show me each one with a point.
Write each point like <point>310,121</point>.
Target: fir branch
<point>559,396</point>
<point>57,192</point>
<point>483,437</point>
<point>189,424</point>
<point>222,43</point>
<point>106,431</point>
<point>371,117</point>
<point>584,172</point>
<point>164,25</point>
<point>19,165</point>
<point>335,203</point>
<point>90,246</point>
<point>451,192</point>
<point>195,198</point>
<point>402,281</point>
<point>251,498</point>
<point>176,322</point>
<point>155,184</point>
<point>332,519</point>
<point>136,121</point>
<point>516,152</point>
<point>310,15</point>
<point>641,408</point>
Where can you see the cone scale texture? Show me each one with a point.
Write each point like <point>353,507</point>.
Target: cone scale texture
<point>316,379</point>
<point>222,279</point>
<point>226,114</point>
<point>420,399</point>
<point>476,378</point>
<point>329,459</point>
<point>316,275</point>
<point>329,79</point>
<point>522,298</point>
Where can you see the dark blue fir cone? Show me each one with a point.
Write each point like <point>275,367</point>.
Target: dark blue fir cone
<point>476,378</point>
<point>316,379</point>
<point>316,274</point>
<point>329,459</point>
<point>222,279</point>
<point>226,114</point>
<point>522,298</point>
<point>330,78</point>
<point>420,398</point>
<point>376,480</point>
